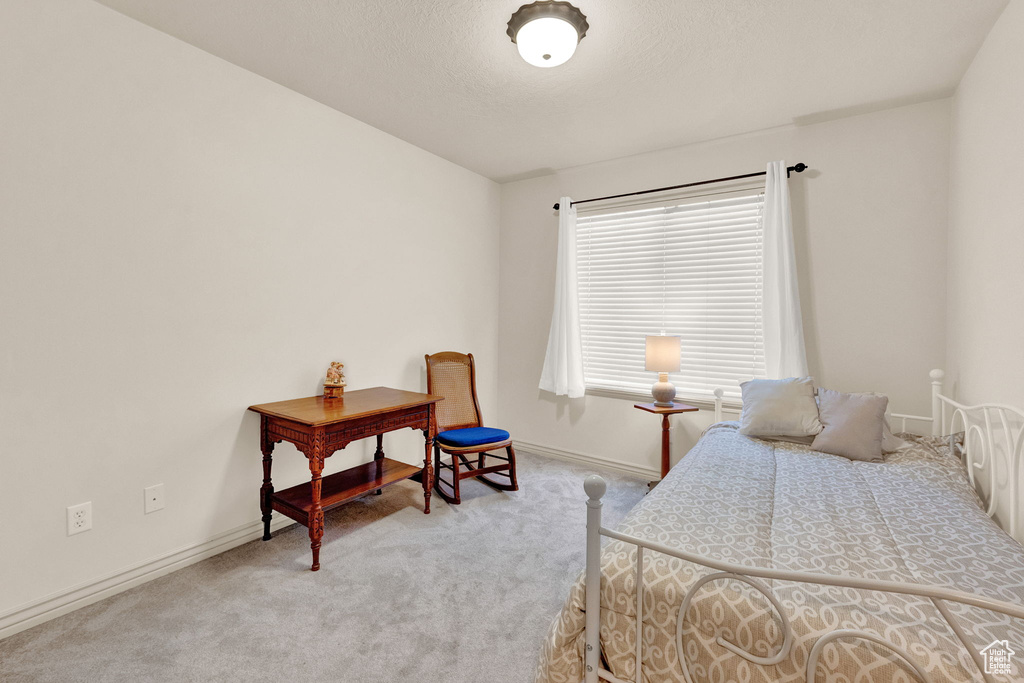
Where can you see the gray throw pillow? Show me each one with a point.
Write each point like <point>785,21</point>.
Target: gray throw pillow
<point>890,442</point>
<point>779,407</point>
<point>853,424</point>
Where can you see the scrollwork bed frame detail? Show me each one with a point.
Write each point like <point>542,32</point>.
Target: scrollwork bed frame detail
<point>993,437</point>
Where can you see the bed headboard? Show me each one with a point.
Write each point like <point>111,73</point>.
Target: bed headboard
<point>992,450</point>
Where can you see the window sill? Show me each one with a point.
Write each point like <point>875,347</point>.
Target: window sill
<point>729,405</point>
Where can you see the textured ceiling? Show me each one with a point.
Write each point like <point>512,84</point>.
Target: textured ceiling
<point>650,74</point>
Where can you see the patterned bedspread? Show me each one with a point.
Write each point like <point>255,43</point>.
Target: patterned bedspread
<point>913,518</point>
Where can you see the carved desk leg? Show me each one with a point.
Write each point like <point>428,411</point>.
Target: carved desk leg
<point>316,455</point>
<point>428,468</point>
<point>378,456</point>
<point>267,447</point>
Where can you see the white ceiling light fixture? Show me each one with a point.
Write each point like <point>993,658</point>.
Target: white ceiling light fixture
<point>547,31</point>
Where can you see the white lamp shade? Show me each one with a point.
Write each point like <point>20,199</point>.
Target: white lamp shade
<point>663,353</point>
<point>547,41</point>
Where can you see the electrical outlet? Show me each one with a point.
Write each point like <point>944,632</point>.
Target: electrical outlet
<point>79,518</point>
<point>154,498</point>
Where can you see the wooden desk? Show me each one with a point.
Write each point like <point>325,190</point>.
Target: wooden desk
<point>318,427</point>
<point>665,412</point>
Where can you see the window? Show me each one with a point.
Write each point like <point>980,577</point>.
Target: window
<point>691,267</point>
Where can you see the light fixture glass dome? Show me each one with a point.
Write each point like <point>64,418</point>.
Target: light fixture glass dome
<point>547,41</point>
<point>546,32</point>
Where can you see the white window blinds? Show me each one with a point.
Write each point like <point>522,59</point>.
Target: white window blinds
<point>691,268</point>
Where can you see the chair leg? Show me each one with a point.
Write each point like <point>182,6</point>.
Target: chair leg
<point>452,497</point>
<point>510,472</point>
<point>512,467</point>
<point>439,480</point>
<point>456,497</point>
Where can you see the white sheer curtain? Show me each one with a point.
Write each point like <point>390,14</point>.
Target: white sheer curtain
<point>563,363</point>
<point>783,326</point>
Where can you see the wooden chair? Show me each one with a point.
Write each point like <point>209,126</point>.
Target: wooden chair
<point>460,430</point>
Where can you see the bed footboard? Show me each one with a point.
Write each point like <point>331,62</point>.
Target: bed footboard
<point>993,439</point>
<point>595,488</point>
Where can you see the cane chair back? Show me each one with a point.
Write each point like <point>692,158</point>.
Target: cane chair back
<point>453,375</point>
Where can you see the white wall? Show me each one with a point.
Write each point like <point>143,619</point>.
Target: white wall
<point>181,239</point>
<point>986,221</point>
<point>870,225</point>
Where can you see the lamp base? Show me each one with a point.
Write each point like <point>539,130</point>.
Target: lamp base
<point>663,391</point>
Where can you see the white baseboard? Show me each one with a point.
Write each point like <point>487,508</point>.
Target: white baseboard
<point>68,600</point>
<point>59,603</point>
<point>586,459</point>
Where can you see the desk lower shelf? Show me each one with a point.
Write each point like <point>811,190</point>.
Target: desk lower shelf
<point>341,487</point>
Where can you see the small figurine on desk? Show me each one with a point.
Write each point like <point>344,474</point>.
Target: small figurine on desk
<point>334,385</point>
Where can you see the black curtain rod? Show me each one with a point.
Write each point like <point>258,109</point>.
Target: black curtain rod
<point>799,168</point>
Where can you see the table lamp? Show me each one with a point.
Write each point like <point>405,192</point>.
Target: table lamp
<point>663,357</point>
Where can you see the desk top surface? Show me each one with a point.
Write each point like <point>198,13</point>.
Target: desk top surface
<point>317,410</point>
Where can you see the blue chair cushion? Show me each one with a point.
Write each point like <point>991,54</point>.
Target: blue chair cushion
<point>471,436</point>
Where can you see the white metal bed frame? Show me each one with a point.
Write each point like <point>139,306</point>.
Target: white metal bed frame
<point>993,440</point>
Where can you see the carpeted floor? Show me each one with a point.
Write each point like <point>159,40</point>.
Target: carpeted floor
<point>464,594</point>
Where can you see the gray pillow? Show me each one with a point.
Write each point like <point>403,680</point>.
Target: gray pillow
<point>853,424</point>
<point>779,407</point>
<point>890,442</point>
